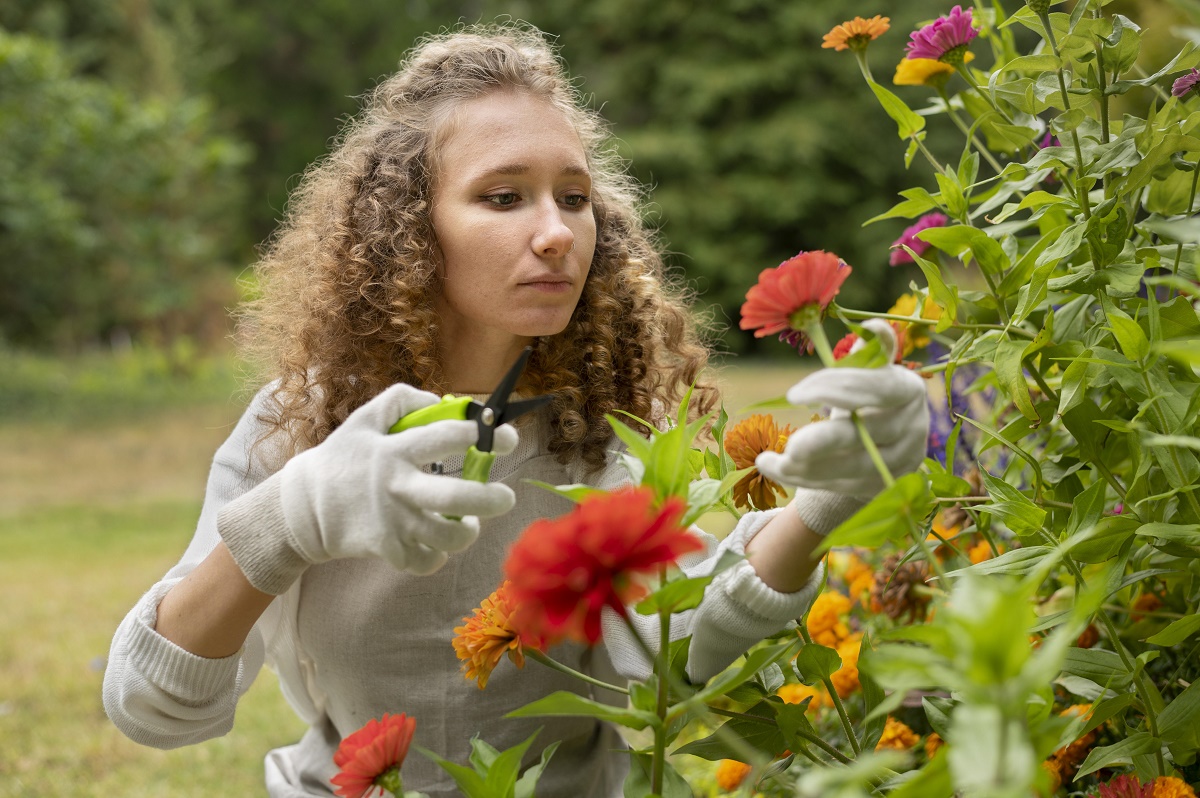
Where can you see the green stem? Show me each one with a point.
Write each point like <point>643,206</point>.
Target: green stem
<point>1104,132</point>
<point>1191,202</point>
<point>848,727</point>
<point>985,499</point>
<point>812,738</point>
<point>1165,430</point>
<point>1081,192</point>
<point>866,314</point>
<point>965,72</point>
<point>1041,381</point>
<point>972,139</point>
<point>554,664</point>
<point>661,666</point>
<point>1000,308</point>
<point>860,55</point>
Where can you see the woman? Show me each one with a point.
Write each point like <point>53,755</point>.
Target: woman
<point>471,209</point>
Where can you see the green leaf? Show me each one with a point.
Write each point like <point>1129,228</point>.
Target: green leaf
<point>1011,372</point>
<point>569,704</point>
<point>917,201</point>
<point>931,781</point>
<point>1106,538</point>
<point>1100,666</point>
<point>637,783</point>
<point>908,122</point>
<point>1012,506</point>
<point>1016,561</point>
<point>638,446</point>
<point>945,296</point>
<point>526,785</point>
<point>1179,724</point>
<point>1133,342</point>
<point>961,238</point>
<point>1121,753</point>
<point>937,710</point>
<point>677,595</point>
<point>816,662</point>
<point>1177,631</point>
<point>887,516</point>
<point>729,740</point>
<point>753,662</point>
<point>575,493</point>
<point>1187,534</point>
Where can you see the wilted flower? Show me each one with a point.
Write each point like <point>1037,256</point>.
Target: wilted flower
<point>825,624</point>
<point>792,295</point>
<point>856,34</point>
<point>1187,83</point>
<point>1171,787</point>
<point>897,736</point>
<point>898,588</point>
<point>731,773</point>
<point>925,71</point>
<point>909,237</point>
<point>944,39</point>
<point>564,571</point>
<point>796,693</point>
<point>372,756</point>
<point>746,441</point>
<point>1127,785</point>
<point>487,636</point>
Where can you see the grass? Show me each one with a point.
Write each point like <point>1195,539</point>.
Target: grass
<point>102,470</point>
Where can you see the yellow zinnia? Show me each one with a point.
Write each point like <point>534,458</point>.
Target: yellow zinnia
<point>745,442</point>
<point>825,624</point>
<point>915,336</point>
<point>897,736</point>
<point>925,71</point>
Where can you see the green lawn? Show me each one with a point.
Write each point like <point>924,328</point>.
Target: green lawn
<point>92,512</point>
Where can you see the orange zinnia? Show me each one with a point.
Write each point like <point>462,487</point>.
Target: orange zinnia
<point>897,735</point>
<point>1171,787</point>
<point>372,756</point>
<point>825,624</point>
<point>564,571</point>
<point>731,773</point>
<point>845,679</point>
<point>793,295</point>
<point>856,33</point>
<point>796,693</point>
<point>488,635</point>
<point>745,442</point>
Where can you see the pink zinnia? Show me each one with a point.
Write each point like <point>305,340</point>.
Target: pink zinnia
<point>792,294</point>
<point>1186,83</point>
<point>909,238</point>
<point>944,39</point>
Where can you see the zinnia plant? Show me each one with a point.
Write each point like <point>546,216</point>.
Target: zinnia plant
<point>371,757</point>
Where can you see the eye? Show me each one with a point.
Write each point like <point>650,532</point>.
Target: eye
<point>576,200</point>
<point>504,200</point>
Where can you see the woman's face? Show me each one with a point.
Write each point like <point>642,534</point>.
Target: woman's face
<point>513,220</point>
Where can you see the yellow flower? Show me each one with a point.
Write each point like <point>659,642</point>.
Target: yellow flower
<point>933,744</point>
<point>1170,787</point>
<point>825,624</point>
<point>925,71</point>
<point>845,678</point>
<point>897,736</point>
<point>487,636</point>
<point>979,552</point>
<point>731,773</point>
<point>796,693</point>
<point>746,441</point>
<point>915,336</point>
<point>856,33</point>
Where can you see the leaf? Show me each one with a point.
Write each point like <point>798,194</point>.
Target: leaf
<point>816,662</point>
<point>638,446</point>
<point>637,783</point>
<point>1188,534</point>
<point>1011,506</point>
<point>1177,631</point>
<point>945,296</point>
<point>1179,724</point>
<point>562,703</point>
<point>525,785</point>
<point>1011,372</point>
<point>1100,666</point>
<point>1016,561</point>
<point>753,662</point>
<point>1121,753</point>
<point>937,710</point>
<point>908,123</point>
<point>1133,342</point>
<point>575,493</point>
<point>887,516</point>
<point>677,595</point>
<point>727,741</point>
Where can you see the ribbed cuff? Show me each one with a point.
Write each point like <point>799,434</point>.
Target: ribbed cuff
<point>742,585</point>
<point>255,530</point>
<point>823,511</point>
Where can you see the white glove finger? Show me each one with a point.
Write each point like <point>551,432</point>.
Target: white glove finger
<point>505,439</point>
<point>389,406</point>
<point>437,440</point>
<point>449,495</point>
<point>422,560</point>
<point>851,388</point>
<point>442,534</point>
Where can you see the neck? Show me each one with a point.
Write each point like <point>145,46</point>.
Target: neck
<point>477,366</point>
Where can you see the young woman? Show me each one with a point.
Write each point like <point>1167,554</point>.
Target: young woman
<point>473,207</point>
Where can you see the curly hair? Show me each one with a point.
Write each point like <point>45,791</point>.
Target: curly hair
<point>348,282</point>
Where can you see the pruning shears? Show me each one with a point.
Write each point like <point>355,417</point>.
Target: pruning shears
<point>498,410</point>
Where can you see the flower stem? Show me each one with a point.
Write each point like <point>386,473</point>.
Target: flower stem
<point>1173,450</point>
<point>965,72</point>
<point>661,667</point>
<point>972,139</point>
<point>1191,202</point>
<point>812,738</point>
<point>554,664</point>
<point>847,726</point>
<point>1084,202</point>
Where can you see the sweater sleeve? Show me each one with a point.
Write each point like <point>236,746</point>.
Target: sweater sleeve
<point>155,692</point>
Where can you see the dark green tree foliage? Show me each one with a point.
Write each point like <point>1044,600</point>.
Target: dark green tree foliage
<point>112,207</point>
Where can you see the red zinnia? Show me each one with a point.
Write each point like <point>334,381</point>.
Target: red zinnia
<point>563,571</point>
<point>1126,785</point>
<point>372,756</point>
<point>789,296</point>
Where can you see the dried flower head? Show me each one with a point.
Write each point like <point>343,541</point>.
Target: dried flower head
<point>898,588</point>
<point>745,442</point>
<point>793,295</point>
<point>487,635</point>
<point>372,756</point>
<point>856,34</point>
<point>909,238</point>
<point>945,39</point>
<point>1146,602</point>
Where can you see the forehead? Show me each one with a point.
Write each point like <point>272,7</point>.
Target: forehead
<point>504,128</point>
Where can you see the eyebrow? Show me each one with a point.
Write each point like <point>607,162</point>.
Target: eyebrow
<point>519,168</point>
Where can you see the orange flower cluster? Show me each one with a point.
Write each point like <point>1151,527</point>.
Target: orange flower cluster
<point>488,635</point>
<point>1171,787</point>
<point>859,579</point>
<point>826,624</point>
<point>897,736</point>
<point>731,773</point>
<point>745,442</point>
<point>796,693</point>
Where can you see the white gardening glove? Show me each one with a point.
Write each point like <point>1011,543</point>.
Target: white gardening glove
<point>828,455</point>
<point>361,493</point>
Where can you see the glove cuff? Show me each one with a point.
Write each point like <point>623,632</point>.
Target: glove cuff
<point>823,511</point>
<point>256,533</point>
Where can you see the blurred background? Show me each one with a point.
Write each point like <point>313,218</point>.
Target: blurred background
<point>147,147</point>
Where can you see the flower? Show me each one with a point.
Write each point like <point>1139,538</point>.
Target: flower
<point>858,577</point>
<point>796,693</point>
<point>792,295</point>
<point>563,571</point>
<point>845,678</point>
<point>488,635</point>
<point>1147,602</point>
<point>372,756</point>
<point>1187,83</point>
<point>909,238</point>
<point>825,624</point>
<point>731,773</point>
<point>1127,785</point>
<point>933,744</point>
<point>896,736</point>
<point>1088,637</point>
<point>1170,787</point>
<point>846,345</point>
<point>896,591</point>
<point>979,552</point>
<point>746,441</point>
<point>945,39</point>
<point>925,71</point>
<point>911,336</point>
<point>856,33</point>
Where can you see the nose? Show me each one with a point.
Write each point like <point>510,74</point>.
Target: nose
<point>553,238</point>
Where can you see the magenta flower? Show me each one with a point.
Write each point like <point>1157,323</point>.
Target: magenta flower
<point>909,237</point>
<point>1186,83</point>
<point>945,39</point>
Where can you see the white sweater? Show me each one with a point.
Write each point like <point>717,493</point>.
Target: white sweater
<point>353,639</point>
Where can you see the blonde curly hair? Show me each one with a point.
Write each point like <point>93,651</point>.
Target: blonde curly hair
<point>348,282</point>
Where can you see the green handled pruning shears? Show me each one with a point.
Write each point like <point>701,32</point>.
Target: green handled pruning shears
<point>478,462</point>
